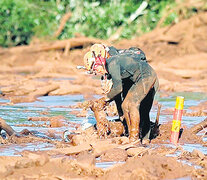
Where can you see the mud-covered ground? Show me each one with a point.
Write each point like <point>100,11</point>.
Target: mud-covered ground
<point>178,54</point>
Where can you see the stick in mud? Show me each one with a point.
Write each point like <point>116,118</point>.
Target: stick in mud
<point>10,131</point>
<point>199,127</point>
<point>155,130</point>
<point>4,126</point>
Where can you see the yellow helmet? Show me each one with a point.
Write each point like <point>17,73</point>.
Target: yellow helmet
<point>99,50</point>
<point>88,60</point>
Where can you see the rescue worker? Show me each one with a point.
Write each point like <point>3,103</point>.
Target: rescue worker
<point>136,53</point>
<point>130,81</point>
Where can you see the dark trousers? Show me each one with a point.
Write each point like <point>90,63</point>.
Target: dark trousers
<point>144,107</point>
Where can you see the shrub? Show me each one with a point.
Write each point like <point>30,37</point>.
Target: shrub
<point>22,19</point>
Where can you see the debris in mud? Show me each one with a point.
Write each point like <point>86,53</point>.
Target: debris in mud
<point>25,136</point>
<point>55,121</point>
<point>197,113</point>
<point>86,149</point>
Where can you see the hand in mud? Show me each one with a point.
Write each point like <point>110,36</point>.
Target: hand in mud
<point>101,103</point>
<point>104,101</point>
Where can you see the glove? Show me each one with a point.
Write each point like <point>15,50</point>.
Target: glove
<point>106,85</point>
<point>100,104</point>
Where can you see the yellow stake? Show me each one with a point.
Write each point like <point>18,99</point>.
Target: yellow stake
<point>179,103</point>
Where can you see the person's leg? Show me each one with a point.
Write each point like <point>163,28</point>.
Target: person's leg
<point>130,108</point>
<point>127,84</point>
<point>144,110</point>
<point>126,116</point>
<point>118,101</point>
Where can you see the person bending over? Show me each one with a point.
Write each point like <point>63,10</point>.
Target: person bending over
<point>131,82</point>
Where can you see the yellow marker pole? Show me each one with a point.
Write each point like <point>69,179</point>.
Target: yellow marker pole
<point>177,117</point>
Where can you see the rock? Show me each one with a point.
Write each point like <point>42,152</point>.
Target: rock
<point>121,140</point>
<point>57,122</point>
<point>101,146</point>
<point>115,154</point>
<point>197,153</point>
<point>78,139</point>
<point>136,151</point>
<point>86,159</point>
<point>73,149</point>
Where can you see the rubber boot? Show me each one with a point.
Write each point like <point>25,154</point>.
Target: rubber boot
<point>146,140</point>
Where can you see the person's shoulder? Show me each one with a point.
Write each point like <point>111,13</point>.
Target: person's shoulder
<point>112,51</point>
<point>115,60</point>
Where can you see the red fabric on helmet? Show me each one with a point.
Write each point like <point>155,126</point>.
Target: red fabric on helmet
<point>99,61</point>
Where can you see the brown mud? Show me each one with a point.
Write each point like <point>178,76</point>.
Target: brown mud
<point>178,54</point>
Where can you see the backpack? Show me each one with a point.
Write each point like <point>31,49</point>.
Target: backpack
<point>134,52</point>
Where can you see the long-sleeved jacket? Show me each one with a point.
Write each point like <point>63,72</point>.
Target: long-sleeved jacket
<point>122,66</point>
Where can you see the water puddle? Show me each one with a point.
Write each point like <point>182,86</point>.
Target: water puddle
<point>60,105</point>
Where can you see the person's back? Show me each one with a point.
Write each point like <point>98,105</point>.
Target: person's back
<point>134,52</point>
<point>122,66</point>
<point>128,66</point>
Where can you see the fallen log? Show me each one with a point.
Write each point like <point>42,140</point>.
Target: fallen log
<point>199,127</point>
<point>45,90</point>
<point>55,45</point>
<point>62,44</point>
<point>31,97</point>
<point>73,149</point>
<point>10,131</point>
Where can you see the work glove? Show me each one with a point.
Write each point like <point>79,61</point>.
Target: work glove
<point>100,104</point>
<point>106,84</point>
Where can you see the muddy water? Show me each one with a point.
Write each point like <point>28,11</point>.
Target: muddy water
<point>60,105</point>
<point>48,105</point>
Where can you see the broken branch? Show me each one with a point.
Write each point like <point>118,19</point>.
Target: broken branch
<point>198,127</point>
<point>62,24</point>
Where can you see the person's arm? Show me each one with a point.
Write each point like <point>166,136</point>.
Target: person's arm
<point>114,71</point>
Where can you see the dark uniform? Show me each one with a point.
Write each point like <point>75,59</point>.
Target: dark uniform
<point>135,52</point>
<point>134,87</point>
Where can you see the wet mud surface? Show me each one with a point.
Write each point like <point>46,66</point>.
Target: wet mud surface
<point>45,94</point>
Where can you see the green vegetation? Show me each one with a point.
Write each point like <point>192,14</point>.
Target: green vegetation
<point>20,20</point>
